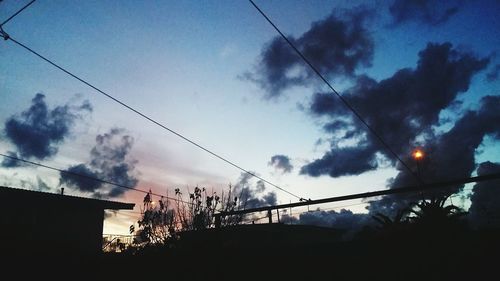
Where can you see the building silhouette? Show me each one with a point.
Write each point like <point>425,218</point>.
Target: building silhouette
<point>44,224</point>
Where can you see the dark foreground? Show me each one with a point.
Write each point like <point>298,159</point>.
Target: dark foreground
<point>283,252</point>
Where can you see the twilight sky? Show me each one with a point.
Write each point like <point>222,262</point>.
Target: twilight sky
<point>421,73</point>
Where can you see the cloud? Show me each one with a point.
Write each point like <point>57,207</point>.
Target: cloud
<point>485,199</point>
<point>41,185</point>
<point>109,161</point>
<point>83,182</point>
<point>17,180</point>
<point>343,220</point>
<point>402,109</point>
<point>281,163</point>
<point>493,74</point>
<point>336,46</point>
<point>252,195</point>
<point>430,12</point>
<point>12,163</point>
<point>38,131</point>
<point>340,162</point>
<point>451,155</point>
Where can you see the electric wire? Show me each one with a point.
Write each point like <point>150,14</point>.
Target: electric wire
<point>17,13</point>
<point>346,103</point>
<point>149,118</point>
<point>91,178</point>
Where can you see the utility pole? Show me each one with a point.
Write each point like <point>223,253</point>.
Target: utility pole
<point>418,155</point>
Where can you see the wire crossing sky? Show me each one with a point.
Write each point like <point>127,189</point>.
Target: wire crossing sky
<point>17,13</point>
<point>91,178</point>
<point>347,104</point>
<point>8,37</point>
<point>417,75</point>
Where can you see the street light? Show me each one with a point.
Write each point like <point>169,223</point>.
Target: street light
<point>418,155</point>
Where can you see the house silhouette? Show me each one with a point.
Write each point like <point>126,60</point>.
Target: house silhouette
<point>47,224</point>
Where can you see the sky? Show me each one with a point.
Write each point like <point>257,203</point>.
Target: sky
<point>421,73</point>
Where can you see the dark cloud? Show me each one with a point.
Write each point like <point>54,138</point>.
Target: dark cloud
<point>339,162</point>
<point>431,12</point>
<point>281,163</point>
<point>260,186</point>
<point>401,109</point>
<point>451,155</point>
<point>253,195</point>
<point>319,142</point>
<point>83,182</point>
<point>336,46</point>
<point>109,161</point>
<point>38,131</point>
<point>12,163</point>
<point>493,74</point>
<point>485,199</point>
<point>343,220</point>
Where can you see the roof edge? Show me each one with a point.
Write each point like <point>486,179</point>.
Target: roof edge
<point>104,204</point>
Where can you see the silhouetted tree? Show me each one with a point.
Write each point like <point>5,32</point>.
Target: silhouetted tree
<point>431,217</point>
<point>399,220</point>
<point>229,204</point>
<point>157,223</point>
<point>162,220</point>
<point>433,213</point>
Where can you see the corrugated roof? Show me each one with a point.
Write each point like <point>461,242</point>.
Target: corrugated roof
<point>104,204</point>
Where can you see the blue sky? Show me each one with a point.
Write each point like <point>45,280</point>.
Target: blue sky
<point>179,62</point>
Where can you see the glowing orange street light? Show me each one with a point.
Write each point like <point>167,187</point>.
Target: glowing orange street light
<point>418,154</point>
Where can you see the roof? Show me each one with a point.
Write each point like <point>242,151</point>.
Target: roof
<point>21,194</point>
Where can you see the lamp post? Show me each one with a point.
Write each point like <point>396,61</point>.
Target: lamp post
<point>418,155</point>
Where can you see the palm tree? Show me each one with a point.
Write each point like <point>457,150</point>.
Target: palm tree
<point>434,212</point>
<point>399,220</point>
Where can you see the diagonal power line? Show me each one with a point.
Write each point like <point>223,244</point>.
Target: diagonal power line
<point>346,103</point>
<point>150,119</point>
<point>89,177</point>
<point>17,13</point>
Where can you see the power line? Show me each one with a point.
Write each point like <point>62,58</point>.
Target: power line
<point>346,103</point>
<point>366,203</point>
<point>17,13</point>
<point>331,208</point>
<point>91,178</point>
<point>306,211</point>
<point>7,37</point>
<point>300,212</point>
<point>399,190</point>
<point>343,206</point>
